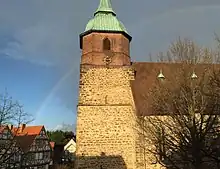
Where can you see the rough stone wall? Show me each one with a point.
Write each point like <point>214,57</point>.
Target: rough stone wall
<point>140,146</point>
<point>106,119</point>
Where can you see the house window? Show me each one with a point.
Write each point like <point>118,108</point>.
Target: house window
<point>39,156</point>
<point>16,157</point>
<point>106,44</point>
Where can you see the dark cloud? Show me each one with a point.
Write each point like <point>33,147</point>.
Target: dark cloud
<point>46,32</point>
<point>156,33</point>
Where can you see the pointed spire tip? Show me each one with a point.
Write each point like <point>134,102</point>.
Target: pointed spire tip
<point>105,6</point>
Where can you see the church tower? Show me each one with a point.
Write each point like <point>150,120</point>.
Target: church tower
<point>106,112</point>
<point>105,37</point>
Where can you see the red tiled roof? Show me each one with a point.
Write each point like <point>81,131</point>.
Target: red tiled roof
<point>26,137</point>
<point>28,130</point>
<point>146,79</point>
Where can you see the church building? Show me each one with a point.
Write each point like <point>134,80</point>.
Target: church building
<point>112,94</point>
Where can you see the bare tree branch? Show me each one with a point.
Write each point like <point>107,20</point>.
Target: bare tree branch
<point>185,133</point>
<point>11,112</point>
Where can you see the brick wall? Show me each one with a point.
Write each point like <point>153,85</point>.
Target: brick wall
<point>92,52</point>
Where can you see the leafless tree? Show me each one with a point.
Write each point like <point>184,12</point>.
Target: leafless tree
<point>185,130</point>
<point>187,51</point>
<point>11,114</point>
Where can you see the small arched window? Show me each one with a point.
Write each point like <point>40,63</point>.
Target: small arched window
<point>106,44</point>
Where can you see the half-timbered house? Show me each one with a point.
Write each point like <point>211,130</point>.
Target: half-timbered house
<point>35,145</point>
<point>10,151</point>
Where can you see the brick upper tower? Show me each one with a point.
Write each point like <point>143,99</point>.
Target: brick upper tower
<point>105,40</point>
<point>105,136</point>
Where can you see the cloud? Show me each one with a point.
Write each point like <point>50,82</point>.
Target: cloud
<point>193,11</point>
<point>43,32</point>
<point>157,32</point>
<point>46,32</point>
<point>42,44</point>
<point>64,127</point>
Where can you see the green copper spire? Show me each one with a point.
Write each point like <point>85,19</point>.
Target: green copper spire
<point>105,19</point>
<point>105,6</point>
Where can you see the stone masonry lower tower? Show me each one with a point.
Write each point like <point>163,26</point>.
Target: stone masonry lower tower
<point>106,112</point>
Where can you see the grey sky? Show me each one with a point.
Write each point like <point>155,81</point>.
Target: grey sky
<point>46,33</point>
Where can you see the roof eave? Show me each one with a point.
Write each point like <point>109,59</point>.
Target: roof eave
<point>102,31</point>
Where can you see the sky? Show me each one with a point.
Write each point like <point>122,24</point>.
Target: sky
<point>40,54</point>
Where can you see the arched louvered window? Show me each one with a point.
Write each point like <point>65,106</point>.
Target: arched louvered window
<point>106,44</point>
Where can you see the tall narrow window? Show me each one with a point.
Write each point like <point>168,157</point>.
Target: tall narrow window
<point>106,44</point>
